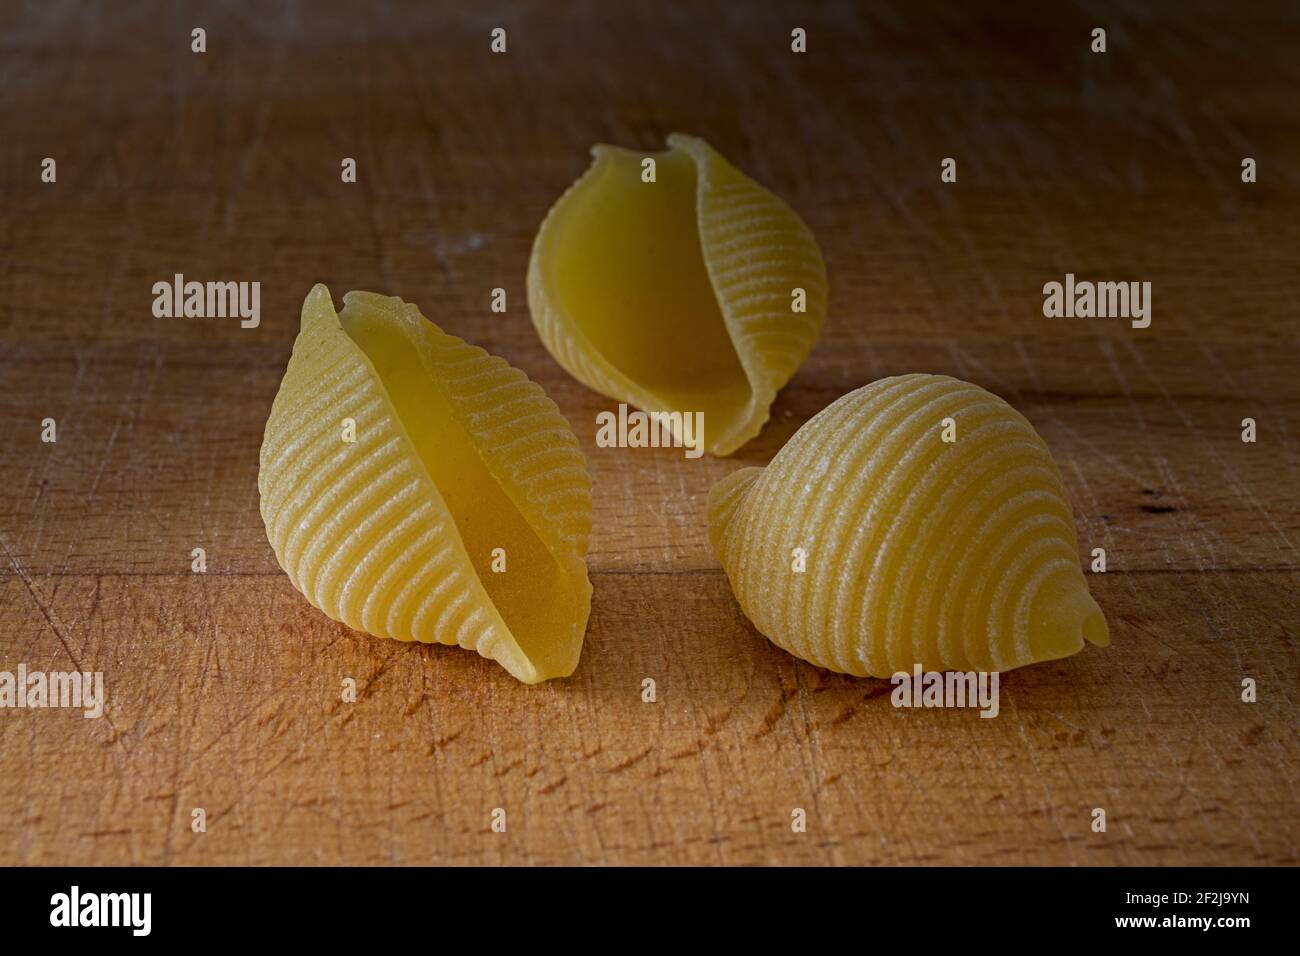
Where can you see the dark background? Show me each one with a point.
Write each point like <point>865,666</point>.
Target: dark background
<point>224,688</point>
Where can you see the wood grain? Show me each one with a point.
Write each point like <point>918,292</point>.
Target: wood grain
<point>223,688</point>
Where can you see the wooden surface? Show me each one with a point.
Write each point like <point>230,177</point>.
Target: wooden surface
<point>224,688</point>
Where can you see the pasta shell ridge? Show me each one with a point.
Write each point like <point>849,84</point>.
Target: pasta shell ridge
<point>678,299</point>
<point>953,555</point>
<point>455,454</point>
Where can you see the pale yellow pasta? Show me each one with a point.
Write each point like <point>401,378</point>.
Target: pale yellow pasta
<point>916,520</point>
<point>697,292</point>
<point>415,487</point>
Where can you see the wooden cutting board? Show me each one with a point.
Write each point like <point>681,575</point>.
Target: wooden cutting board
<point>224,688</point>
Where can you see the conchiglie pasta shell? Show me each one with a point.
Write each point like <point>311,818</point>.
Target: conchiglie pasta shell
<point>677,295</point>
<point>456,454</point>
<point>954,556</point>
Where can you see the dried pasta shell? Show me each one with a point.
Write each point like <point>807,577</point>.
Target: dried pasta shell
<point>955,555</point>
<point>456,454</point>
<point>678,295</point>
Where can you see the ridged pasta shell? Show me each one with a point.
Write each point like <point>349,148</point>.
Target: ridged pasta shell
<point>956,556</point>
<point>677,295</point>
<point>456,454</point>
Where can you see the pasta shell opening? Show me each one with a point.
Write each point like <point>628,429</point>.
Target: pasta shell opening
<point>483,499</point>
<point>676,295</point>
